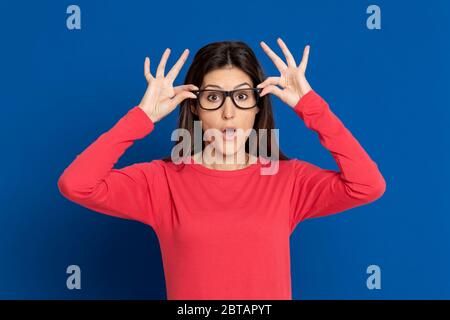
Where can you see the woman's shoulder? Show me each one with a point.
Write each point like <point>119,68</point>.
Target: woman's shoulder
<point>165,164</point>
<point>154,165</point>
<point>274,166</point>
<point>293,165</point>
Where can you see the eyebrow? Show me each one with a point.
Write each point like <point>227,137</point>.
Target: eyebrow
<point>216,86</point>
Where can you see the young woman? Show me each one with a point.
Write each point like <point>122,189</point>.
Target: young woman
<point>224,227</point>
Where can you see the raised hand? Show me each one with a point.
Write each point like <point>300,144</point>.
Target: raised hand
<point>161,97</point>
<point>292,77</point>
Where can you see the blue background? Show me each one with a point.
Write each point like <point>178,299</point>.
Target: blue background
<point>60,89</point>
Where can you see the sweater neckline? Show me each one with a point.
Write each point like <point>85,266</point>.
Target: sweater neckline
<point>224,173</point>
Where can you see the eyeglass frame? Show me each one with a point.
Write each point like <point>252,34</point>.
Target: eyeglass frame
<point>229,94</point>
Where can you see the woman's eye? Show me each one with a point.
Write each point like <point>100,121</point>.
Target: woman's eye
<point>242,95</point>
<point>212,95</point>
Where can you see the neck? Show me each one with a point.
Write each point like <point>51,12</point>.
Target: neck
<point>229,163</point>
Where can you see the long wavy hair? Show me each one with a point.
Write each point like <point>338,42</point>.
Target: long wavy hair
<point>226,54</point>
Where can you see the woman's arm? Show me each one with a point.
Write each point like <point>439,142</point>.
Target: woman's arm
<point>132,192</point>
<point>91,181</point>
<point>319,192</point>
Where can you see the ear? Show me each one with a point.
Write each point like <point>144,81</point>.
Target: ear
<point>193,109</point>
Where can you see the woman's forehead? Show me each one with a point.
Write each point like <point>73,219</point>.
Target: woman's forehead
<point>226,78</point>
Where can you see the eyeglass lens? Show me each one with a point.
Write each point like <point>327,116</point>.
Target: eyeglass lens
<point>244,98</point>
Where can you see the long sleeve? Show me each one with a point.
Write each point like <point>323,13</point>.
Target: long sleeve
<point>318,192</point>
<point>92,181</point>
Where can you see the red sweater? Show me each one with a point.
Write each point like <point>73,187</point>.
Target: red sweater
<point>223,234</point>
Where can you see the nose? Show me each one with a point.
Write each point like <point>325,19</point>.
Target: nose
<point>228,108</point>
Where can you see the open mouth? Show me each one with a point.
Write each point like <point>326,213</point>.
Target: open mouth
<point>229,133</point>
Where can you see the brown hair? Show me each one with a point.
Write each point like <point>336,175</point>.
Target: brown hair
<point>219,55</point>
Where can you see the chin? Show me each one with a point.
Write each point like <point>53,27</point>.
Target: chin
<point>231,150</point>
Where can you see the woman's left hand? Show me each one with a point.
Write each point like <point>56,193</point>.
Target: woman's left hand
<point>292,78</point>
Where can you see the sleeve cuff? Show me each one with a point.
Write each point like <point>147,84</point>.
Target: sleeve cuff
<point>305,100</point>
<point>142,122</point>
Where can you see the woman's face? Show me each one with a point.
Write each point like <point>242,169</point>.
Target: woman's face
<point>228,115</point>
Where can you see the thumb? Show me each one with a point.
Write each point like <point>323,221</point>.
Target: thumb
<point>178,98</point>
<point>272,89</point>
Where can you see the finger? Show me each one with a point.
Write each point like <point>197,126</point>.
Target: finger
<point>274,57</point>
<point>173,73</point>
<point>289,58</point>
<point>269,80</point>
<point>304,62</point>
<point>177,99</point>
<point>147,73</point>
<point>185,87</point>
<point>162,63</point>
<point>272,89</point>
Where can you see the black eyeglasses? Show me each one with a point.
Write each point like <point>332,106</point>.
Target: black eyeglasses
<point>212,99</point>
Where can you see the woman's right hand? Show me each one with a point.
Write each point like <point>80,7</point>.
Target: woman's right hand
<point>161,97</point>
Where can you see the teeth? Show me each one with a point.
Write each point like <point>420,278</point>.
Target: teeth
<point>229,131</point>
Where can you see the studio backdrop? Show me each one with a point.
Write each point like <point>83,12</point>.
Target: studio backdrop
<point>71,70</point>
